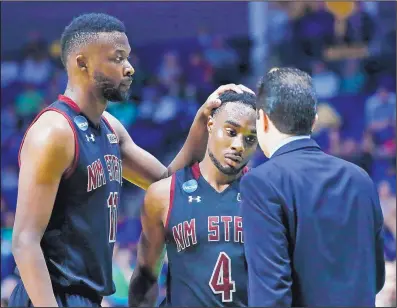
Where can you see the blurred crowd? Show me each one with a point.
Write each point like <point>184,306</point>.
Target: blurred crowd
<point>349,49</point>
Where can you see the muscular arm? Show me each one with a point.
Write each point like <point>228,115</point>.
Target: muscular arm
<point>143,169</point>
<point>143,289</point>
<point>47,152</point>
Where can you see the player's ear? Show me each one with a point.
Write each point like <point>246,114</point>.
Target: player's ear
<point>263,120</point>
<point>315,122</point>
<point>82,63</point>
<point>210,124</point>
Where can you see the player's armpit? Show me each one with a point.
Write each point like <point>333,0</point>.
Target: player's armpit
<point>143,285</point>
<point>47,151</point>
<point>139,166</point>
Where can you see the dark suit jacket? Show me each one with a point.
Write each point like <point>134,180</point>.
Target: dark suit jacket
<point>312,230</point>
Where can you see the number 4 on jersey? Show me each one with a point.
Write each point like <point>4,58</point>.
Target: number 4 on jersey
<point>113,201</point>
<point>221,279</point>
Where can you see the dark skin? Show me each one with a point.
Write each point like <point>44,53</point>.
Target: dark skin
<point>232,130</point>
<point>98,71</point>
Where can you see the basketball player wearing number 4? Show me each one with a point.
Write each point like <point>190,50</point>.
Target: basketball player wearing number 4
<point>195,213</point>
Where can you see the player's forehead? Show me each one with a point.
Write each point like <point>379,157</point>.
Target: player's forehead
<point>111,42</point>
<point>239,113</point>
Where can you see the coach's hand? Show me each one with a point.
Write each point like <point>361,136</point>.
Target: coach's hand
<point>213,100</point>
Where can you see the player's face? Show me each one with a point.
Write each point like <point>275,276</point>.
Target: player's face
<point>232,138</point>
<point>111,70</point>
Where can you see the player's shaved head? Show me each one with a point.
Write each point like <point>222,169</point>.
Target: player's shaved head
<point>85,29</point>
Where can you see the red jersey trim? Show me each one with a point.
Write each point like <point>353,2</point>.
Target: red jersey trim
<point>196,171</point>
<point>69,102</point>
<point>68,172</point>
<point>172,195</point>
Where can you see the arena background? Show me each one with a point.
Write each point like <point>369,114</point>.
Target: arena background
<point>181,52</point>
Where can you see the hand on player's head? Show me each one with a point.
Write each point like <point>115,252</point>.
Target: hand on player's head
<point>214,102</point>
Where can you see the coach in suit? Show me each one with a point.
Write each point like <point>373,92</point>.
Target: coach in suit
<point>312,222</point>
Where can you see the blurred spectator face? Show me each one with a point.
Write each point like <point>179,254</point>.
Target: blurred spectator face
<point>384,190</point>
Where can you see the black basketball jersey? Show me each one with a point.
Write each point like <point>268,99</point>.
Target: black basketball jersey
<point>204,244</point>
<point>79,239</point>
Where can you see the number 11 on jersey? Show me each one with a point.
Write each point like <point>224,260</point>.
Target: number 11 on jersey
<point>221,279</point>
<point>113,201</point>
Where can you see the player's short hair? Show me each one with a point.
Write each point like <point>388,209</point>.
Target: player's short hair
<point>230,96</point>
<point>288,98</point>
<point>82,29</point>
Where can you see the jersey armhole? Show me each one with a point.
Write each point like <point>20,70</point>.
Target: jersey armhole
<point>172,196</point>
<point>68,172</point>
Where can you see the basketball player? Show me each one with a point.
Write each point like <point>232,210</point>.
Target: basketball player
<point>72,159</point>
<point>196,213</point>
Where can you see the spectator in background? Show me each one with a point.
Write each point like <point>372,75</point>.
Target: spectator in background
<point>200,74</point>
<point>349,150</point>
<point>219,55</point>
<point>204,37</point>
<point>325,81</point>
<point>9,123</point>
<point>315,29</point>
<point>380,113</point>
<point>9,72</point>
<point>140,77</point>
<point>170,70</point>
<point>380,109</point>
<point>167,108</point>
<point>278,26</point>
<point>28,103</point>
<point>36,68</point>
<point>360,26</point>
<point>151,95</point>
<point>388,203</point>
<point>353,79</point>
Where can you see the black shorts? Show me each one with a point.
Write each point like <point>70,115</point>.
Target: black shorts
<point>66,297</point>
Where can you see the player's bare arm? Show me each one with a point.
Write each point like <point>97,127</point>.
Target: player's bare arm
<point>143,287</point>
<point>143,169</point>
<point>48,150</point>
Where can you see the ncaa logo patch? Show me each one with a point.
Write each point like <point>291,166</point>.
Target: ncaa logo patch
<point>112,138</point>
<point>190,186</point>
<point>81,123</point>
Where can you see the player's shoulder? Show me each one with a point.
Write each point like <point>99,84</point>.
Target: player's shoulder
<point>157,197</point>
<point>51,127</point>
<point>160,188</point>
